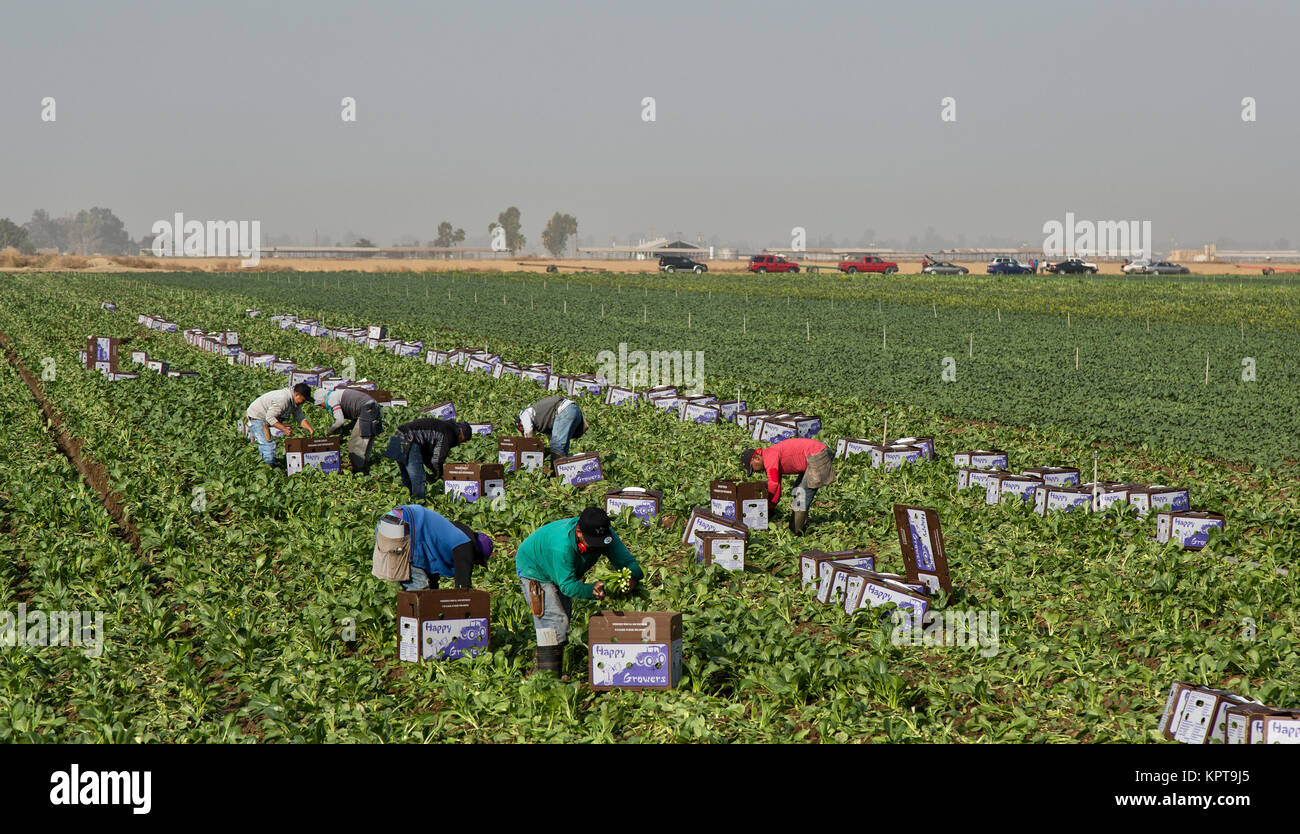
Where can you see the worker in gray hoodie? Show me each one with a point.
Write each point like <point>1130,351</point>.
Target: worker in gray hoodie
<point>557,417</point>
<point>356,413</point>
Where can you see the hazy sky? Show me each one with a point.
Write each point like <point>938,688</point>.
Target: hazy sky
<point>824,115</point>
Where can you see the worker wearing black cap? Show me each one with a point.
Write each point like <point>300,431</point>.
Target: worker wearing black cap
<point>421,443</point>
<point>551,563</point>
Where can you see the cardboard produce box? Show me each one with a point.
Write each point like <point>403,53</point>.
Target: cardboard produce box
<point>436,357</point>
<point>139,357</point>
<point>479,366</point>
<point>522,453</point>
<point>1244,723</point>
<point>920,539</point>
<point>981,459</point>
<point>1197,714</point>
<point>745,418</point>
<point>157,366</point>
<point>634,650</point>
<point>442,624</point>
<point>862,591</point>
<point>1158,497</point>
<point>101,353</point>
<point>700,521</point>
<point>118,376</point>
<point>743,500</point>
<point>173,372</point>
<point>701,413</point>
<point>726,550</point>
<point>643,503</point>
<point>1003,485</point>
<point>768,430</point>
<point>1055,475</point>
<point>443,411</point>
<point>1067,498</point>
<point>829,571</point>
<point>1106,494</point>
<point>926,444</point>
<point>1191,530</point>
<point>846,447</point>
<point>661,391</point>
<point>671,404</point>
<point>472,481</point>
<point>252,314</point>
<point>847,584</point>
<point>577,470</point>
<point>811,561</point>
<point>377,331</point>
<point>614,395</point>
<point>542,378</point>
<point>475,429</point>
<point>319,453</point>
<point>894,455</point>
<point>283,366</point>
<point>730,408</point>
<point>1281,727</point>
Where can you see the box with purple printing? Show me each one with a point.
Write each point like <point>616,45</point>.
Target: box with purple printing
<point>1157,497</point>
<point>894,455</point>
<point>773,431</point>
<point>698,413</point>
<point>668,404</point>
<point>540,377</point>
<point>1055,475</point>
<point>472,481</point>
<point>436,357</point>
<point>477,366</point>
<point>443,411</point>
<point>980,459</point>
<point>1191,530</point>
<point>1001,486</point>
<point>847,446</point>
<point>283,366</point>
<point>634,649</point>
<point>731,408</point>
<point>643,503</point>
<point>1053,498</point>
<point>577,470</point>
<point>614,395</point>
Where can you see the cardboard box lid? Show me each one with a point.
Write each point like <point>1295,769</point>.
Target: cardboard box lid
<point>698,514</point>
<point>311,444</point>
<point>713,535</point>
<point>520,444</point>
<point>727,490</point>
<point>576,458</point>
<point>443,604</point>
<point>635,492</point>
<point>473,472</point>
<point>634,627</point>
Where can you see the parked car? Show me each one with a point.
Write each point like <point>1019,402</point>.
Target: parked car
<point>771,263</point>
<point>1145,267</point>
<point>943,268</point>
<point>1008,266</point>
<point>674,263</point>
<point>868,263</point>
<point>1072,266</point>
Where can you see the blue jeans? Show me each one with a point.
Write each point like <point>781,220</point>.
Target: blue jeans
<point>257,430</point>
<point>565,423</point>
<point>558,609</point>
<point>413,475</point>
<point>420,580</point>
<point>801,497</point>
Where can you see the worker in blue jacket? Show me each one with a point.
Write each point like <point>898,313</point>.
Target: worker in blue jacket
<point>438,547</point>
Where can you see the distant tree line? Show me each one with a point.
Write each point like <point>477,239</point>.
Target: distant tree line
<point>88,232</point>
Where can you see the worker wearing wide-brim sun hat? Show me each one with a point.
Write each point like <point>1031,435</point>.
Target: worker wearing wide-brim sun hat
<point>415,546</point>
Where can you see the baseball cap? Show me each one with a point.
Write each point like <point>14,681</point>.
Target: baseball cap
<point>594,524</point>
<point>320,396</point>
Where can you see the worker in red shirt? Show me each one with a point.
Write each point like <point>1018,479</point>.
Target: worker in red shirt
<point>802,456</point>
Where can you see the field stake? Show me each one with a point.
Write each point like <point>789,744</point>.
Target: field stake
<point>1148,323</point>
<point>645,316</point>
<point>744,323</point>
<point>999,315</point>
<point>807,328</point>
<point>1067,318</point>
<point>566,306</point>
<point>1076,357</point>
<point>970,352</point>
<point>884,339</point>
<point>1207,369</point>
<point>884,432</point>
<point>934,309</point>
<point>688,318</point>
<point>602,311</point>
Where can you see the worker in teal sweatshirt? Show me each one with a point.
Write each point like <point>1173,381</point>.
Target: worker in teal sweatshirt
<point>551,563</point>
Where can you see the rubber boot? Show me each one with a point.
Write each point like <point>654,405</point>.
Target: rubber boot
<point>798,522</point>
<point>551,659</point>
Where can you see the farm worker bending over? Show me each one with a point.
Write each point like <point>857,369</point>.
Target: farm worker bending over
<point>266,410</point>
<point>802,456</point>
<point>350,406</point>
<point>557,417</point>
<point>415,546</point>
<point>421,443</point>
<point>551,563</point>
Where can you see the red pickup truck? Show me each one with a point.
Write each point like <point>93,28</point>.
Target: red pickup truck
<point>868,263</point>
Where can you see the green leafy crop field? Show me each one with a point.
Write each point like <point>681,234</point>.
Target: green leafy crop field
<point>226,617</point>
